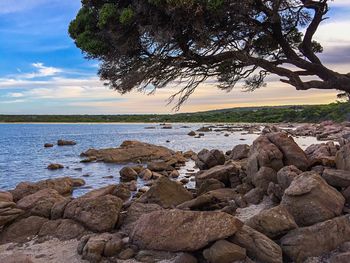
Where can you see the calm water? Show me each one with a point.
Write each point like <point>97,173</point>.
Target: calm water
<point>23,157</point>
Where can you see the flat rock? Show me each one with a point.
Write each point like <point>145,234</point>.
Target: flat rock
<point>317,239</point>
<point>311,200</point>
<point>63,229</point>
<point>177,230</point>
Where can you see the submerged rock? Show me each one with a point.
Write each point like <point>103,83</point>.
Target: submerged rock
<point>177,230</point>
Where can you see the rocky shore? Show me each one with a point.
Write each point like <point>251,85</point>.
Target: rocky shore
<point>266,202</point>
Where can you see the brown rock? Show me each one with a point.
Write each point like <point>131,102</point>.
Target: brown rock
<point>224,252</point>
<point>239,152</point>
<point>17,258</point>
<point>257,245</point>
<point>337,178</point>
<point>63,229</point>
<point>98,214</point>
<point>159,166</point>
<point>40,203</point>
<point>177,230</point>
<point>311,200</point>
<point>286,175</point>
<point>48,145</point>
<point>128,174</point>
<point>107,190</point>
<point>208,159</point>
<point>221,173</point>
<point>342,159</point>
<point>210,184</point>
<point>6,196</point>
<point>146,174</point>
<point>65,143</point>
<point>317,239</point>
<point>263,177</point>
<point>166,193</point>
<point>22,230</point>
<point>55,166</point>
<point>132,151</point>
<point>8,212</point>
<point>272,222</point>
<point>254,196</point>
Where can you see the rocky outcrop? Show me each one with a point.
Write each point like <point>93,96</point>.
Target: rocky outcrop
<point>342,159</point>
<point>317,239</point>
<point>257,245</point>
<point>166,193</point>
<point>208,159</point>
<point>221,173</point>
<point>64,186</point>
<point>273,222</point>
<point>311,200</point>
<point>223,251</point>
<point>97,213</point>
<point>133,151</point>
<point>40,203</point>
<point>177,230</point>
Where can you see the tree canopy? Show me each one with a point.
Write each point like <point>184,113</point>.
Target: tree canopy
<point>150,43</point>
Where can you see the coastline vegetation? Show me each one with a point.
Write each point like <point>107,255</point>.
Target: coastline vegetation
<point>339,111</point>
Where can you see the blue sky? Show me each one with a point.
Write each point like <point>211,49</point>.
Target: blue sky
<point>42,72</point>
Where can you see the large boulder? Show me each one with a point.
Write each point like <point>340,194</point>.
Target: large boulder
<point>342,159</point>
<point>223,251</point>
<point>63,229</point>
<point>98,214</point>
<point>263,177</point>
<point>311,200</point>
<point>258,245</point>
<point>132,151</point>
<point>40,203</point>
<point>239,152</point>
<point>317,239</point>
<point>221,173</point>
<point>208,159</point>
<point>166,193</point>
<point>209,185</point>
<point>337,178</point>
<point>286,175</point>
<point>272,222</point>
<point>322,154</point>
<point>64,186</point>
<point>128,174</point>
<point>22,230</point>
<point>177,230</point>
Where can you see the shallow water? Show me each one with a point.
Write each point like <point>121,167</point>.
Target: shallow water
<point>24,158</point>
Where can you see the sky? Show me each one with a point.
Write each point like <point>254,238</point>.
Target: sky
<point>43,72</point>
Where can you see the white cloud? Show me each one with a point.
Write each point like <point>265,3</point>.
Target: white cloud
<point>42,71</point>
<point>15,95</point>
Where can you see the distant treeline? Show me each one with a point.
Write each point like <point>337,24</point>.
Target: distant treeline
<point>309,113</point>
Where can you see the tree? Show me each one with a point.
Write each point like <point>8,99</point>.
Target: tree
<point>150,43</point>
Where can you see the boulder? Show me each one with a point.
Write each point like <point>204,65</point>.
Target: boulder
<point>122,191</point>
<point>317,239</point>
<point>337,178</point>
<point>207,159</point>
<point>192,133</point>
<point>134,212</point>
<point>6,196</point>
<point>221,173</point>
<point>263,153</point>
<point>239,152</point>
<point>40,203</point>
<point>286,175</point>
<point>223,251</point>
<point>273,222</point>
<point>98,214</point>
<point>8,212</point>
<point>22,230</point>
<point>292,153</point>
<point>257,245</point>
<point>254,196</point>
<point>145,174</point>
<point>342,159</point>
<point>159,166</point>
<point>263,177</point>
<point>63,229</point>
<point>208,185</point>
<point>57,210</point>
<point>106,190</point>
<point>128,174</point>
<point>48,145</point>
<point>322,154</point>
<point>177,230</point>
<point>65,143</point>
<point>311,200</point>
<point>64,186</point>
<point>132,151</point>
<point>166,193</point>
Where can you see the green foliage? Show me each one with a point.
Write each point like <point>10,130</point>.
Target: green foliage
<point>107,14</point>
<point>126,15</point>
<point>310,113</point>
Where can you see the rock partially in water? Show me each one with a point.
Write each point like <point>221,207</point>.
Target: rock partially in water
<point>48,145</point>
<point>133,151</point>
<point>128,174</point>
<point>55,166</point>
<point>177,230</point>
<point>65,143</point>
